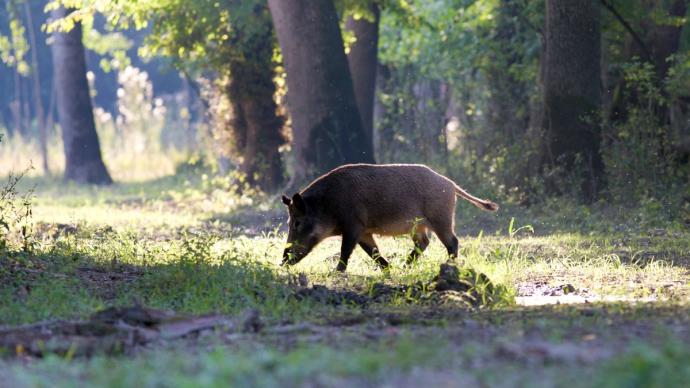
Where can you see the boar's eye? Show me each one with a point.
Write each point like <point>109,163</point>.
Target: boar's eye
<point>297,224</point>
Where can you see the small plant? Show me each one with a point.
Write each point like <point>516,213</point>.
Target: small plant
<point>512,231</point>
<point>15,216</point>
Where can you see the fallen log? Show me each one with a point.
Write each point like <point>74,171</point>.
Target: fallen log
<point>113,330</point>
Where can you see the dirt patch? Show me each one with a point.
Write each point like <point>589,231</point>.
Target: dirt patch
<point>543,288</point>
<point>106,282</point>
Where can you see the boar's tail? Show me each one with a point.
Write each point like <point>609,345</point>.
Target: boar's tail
<point>478,202</point>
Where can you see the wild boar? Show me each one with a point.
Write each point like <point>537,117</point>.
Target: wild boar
<point>357,201</point>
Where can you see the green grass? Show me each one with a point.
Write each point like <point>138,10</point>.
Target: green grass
<point>190,244</point>
<point>258,366</point>
<point>647,366</point>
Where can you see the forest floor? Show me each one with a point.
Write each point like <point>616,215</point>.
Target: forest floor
<point>578,296</point>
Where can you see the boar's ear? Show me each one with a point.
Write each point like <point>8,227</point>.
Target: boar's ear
<point>286,200</point>
<point>298,203</point>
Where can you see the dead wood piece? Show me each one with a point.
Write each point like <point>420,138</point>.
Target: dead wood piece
<point>291,329</point>
<point>177,329</point>
<point>113,330</point>
<point>136,315</point>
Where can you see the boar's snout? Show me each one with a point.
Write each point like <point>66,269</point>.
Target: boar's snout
<point>291,255</point>
<point>294,252</point>
<point>286,257</point>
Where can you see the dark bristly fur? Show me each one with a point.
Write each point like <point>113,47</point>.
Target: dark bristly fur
<point>357,201</point>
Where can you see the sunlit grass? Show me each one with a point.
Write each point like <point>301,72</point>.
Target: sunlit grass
<point>18,154</point>
<point>612,264</point>
<point>114,216</point>
<point>556,260</point>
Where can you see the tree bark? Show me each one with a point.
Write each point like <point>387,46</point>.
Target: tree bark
<point>83,161</point>
<point>38,100</point>
<point>257,126</point>
<point>363,63</point>
<point>572,89</point>
<point>326,125</point>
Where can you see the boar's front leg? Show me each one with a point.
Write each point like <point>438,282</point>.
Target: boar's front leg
<point>350,238</point>
<point>368,243</point>
<point>421,241</point>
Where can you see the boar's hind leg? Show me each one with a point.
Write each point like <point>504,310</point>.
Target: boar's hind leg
<point>421,241</point>
<point>444,231</point>
<point>450,242</point>
<point>350,239</point>
<point>368,243</point>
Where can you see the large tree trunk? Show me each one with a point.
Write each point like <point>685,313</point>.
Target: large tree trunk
<point>83,162</point>
<point>257,126</point>
<point>572,89</point>
<point>326,125</point>
<point>363,62</point>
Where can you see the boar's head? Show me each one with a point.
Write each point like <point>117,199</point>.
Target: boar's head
<point>306,229</point>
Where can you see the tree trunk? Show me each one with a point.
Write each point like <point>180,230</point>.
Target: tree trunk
<point>38,100</point>
<point>16,104</point>
<point>572,89</point>
<point>363,62</point>
<point>326,125</point>
<point>257,126</point>
<point>261,159</point>
<point>83,162</point>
